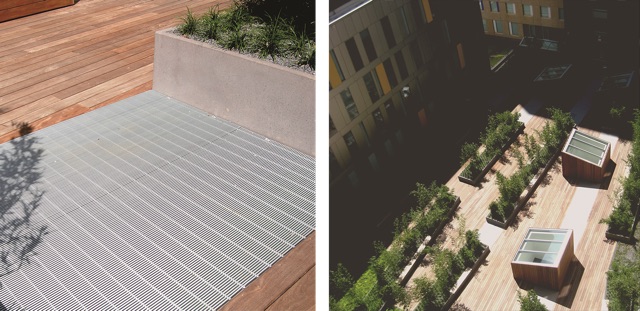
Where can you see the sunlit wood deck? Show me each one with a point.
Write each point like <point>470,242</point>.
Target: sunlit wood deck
<point>62,63</point>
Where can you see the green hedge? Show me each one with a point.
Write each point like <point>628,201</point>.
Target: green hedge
<point>621,219</point>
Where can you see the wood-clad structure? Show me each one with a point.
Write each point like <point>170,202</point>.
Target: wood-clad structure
<point>544,257</point>
<point>10,9</point>
<point>585,157</point>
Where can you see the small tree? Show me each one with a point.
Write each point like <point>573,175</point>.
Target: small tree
<point>530,302</point>
<point>623,287</point>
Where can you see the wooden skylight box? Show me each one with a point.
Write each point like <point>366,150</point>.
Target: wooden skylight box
<point>585,157</point>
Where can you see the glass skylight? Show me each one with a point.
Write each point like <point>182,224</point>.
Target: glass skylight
<point>586,147</point>
<point>616,82</point>
<point>553,73</point>
<point>542,246</point>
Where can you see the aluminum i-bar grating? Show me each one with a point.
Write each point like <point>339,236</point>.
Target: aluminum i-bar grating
<point>152,204</point>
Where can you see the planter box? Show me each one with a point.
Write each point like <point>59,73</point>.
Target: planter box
<point>526,194</point>
<point>460,288</point>
<point>623,238</point>
<point>408,271</point>
<point>269,99</point>
<point>475,181</point>
<point>11,9</point>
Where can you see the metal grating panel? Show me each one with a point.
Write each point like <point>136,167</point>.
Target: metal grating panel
<point>154,204</point>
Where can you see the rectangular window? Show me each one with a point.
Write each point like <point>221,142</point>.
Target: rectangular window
<point>373,85</point>
<point>545,12</point>
<point>527,9</point>
<point>388,32</point>
<point>416,54</point>
<point>368,45</point>
<point>445,31</point>
<point>349,104</point>
<point>511,8</point>
<point>495,7</point>
<point>561,13</point>
<point>335,72</point>
<point>391,109</point>
<point>354,54</point>
<point>405,23</point>
<point>484,25</point>
<point>599,13</point>
<point>402,65</point>
<point>513,29</point>
<point>481,5</point>
<point>378,118</point>
<point>384,80</point>
<point>351,142</point>
<point>497,26</point>
<point>391,74</point>
<point>418,15</point>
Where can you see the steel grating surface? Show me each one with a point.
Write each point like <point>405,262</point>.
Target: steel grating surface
<point>154,204</point>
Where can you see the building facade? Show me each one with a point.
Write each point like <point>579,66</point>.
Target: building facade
<point>543,19</point>
<point>393,67</point>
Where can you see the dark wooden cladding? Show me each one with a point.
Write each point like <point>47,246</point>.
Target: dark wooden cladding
<point>545,275</point>
<point>12,9</point>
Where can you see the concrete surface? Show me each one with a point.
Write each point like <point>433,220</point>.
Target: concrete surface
<point>271,100</point>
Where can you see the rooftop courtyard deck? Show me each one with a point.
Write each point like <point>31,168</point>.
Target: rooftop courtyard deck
<point>65,62</point>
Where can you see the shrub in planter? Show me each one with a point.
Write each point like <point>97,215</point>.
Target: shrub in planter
<point>621,219</point>
<point>530,302</point>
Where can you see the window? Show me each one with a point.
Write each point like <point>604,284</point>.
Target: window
<point>351,142</point>
<point>349,104</point>
<point>332,127</point>
<point>511,8</point>
<point>405,23</point>
<point>335,72</point>
<point>354,54</point>
<point>495,7</point>
<point>418,16</point>
<point>513,29</point>
<point>481,5</point>
<point>373,85</point>
<point>599,13</point>
<point>388,32</point>
<point>445,31</point>
<point>484,25</point>
<point>527,9</point>
<point>416,54</point>
<point>545,12</point>
<point>391,109</point>
<point>402,66</point>
<point>368,45</point>
<point>561,13</point>
<point>378,118</point>
<point>497,26</point>
<point>391,75</point>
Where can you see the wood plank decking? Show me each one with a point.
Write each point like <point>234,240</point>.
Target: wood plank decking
<point>63,63</point>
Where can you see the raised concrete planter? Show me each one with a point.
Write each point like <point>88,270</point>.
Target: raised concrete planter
<point>271,100</point>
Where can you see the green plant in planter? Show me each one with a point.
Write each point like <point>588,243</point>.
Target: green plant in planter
<point>271,37</point>
<point>530,302</point>
<point>212,24</point>
<point>468,151</point>
<point>303,48</point>
<point>620,221</point>
<point>189,25</point>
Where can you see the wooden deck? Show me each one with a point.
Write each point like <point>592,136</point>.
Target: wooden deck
<point>63,63</point>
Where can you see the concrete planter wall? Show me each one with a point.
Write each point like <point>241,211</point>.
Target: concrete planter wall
<point>476,180</point>
<point>271,100</point>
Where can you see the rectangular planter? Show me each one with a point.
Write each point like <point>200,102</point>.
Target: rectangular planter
<point>458,291</point>
<point>526,194</point>
<point>271,100</point>
<point>430,240</point>
<point>11,9</point>
<point>623,238</point>
<point>475,181</point>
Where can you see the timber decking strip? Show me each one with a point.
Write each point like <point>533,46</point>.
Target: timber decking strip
<point>154,204</point>
<point>57,64</point>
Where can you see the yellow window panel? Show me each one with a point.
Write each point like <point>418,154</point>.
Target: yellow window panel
<point>461,56</point>
<point>384,81</point>
<point>427,10</point>
<point>334,76</point>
